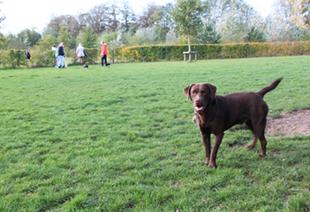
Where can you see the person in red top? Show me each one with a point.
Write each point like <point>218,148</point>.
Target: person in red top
<point>104,54</point>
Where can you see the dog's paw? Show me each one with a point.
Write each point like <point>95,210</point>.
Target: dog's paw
<point>212,165</point>
<point>249,146</point>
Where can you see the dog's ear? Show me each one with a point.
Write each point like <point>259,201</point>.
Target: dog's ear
<point>212,90</point>
<point>187,91</point>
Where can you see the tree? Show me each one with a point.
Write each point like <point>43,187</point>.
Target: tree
<point>102,18</point>
<point>232,19</point>
<point>88,38</point>
<point>114,10</point>
<point>300,12</point>
<point>282,23</point>
<point>151,16</point>
<point>2,18</point>
<point>209,35</point>
<point>143,36</point>
<point>128,23</point>
<point>305,11</point>
<point>72,24</point>
<point>64,36</point>
<point>83,19</point>
<point>13,42</point>
<point>187,17</point>
<point>98,18</point>
<point>255,36</point>
<point>158,19</point>
<point>165,23</point>
<point>29,37</point>
<point>46,42</point>
<point>3,41</point>
<point>127,18</point>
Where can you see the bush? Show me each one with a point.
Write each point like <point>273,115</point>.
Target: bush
<point>92,55</point>
<point>212,51</point>
<point>12,58</point>
<point>41,57</point>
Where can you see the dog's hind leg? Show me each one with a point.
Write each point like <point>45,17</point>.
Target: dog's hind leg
<point>263,143</point>
<point>259,131</point>
<point>253,144</point>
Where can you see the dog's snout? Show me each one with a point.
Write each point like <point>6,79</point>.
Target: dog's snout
<point>198,103</point>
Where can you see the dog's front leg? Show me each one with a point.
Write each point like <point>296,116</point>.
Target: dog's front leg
<point>218,141</point>
<point>205,136</point>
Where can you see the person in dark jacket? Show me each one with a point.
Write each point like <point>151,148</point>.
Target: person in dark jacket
<point>61,56</point>
<point>27,54</point>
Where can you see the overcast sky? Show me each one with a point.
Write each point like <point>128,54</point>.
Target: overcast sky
<point>35,14</point>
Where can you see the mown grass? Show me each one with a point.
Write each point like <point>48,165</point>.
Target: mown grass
<point>122,139</point>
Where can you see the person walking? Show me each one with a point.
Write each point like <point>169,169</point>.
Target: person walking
<point>27,54</point>
<point>104,54</point>
<point>27,57</point>
<point>80,53</point>
<point>61,56</point>
<point>55,50</point>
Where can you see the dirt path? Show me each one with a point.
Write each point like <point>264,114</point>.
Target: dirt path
<point>291,124</point>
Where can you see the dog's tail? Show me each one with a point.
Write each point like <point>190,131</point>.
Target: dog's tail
<point>272,86</point>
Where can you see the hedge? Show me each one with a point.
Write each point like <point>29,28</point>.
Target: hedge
<point>44,57</point>
<point>212,51</point>
<point>14,58</point>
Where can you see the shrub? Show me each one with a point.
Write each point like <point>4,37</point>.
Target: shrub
<point>92,55</point>
<point>12,58</point>
<point>41,57</point>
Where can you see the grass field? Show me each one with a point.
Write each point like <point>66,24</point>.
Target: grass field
<point>122,139</point>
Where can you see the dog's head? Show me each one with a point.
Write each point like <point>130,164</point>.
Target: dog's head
<point>202,95</point>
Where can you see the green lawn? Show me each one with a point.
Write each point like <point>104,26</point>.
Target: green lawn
<point>121,138</point>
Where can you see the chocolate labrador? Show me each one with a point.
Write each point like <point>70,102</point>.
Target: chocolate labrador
<point>215,114</point>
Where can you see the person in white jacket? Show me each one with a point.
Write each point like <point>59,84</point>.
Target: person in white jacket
<point>80,53</point>
<point>55,50</point>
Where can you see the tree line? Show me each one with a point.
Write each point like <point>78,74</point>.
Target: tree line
<point>211,21</point>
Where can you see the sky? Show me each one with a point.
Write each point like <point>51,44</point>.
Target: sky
<point>36,14</point>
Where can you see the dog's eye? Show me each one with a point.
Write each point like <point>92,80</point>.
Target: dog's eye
<point>194,91</point>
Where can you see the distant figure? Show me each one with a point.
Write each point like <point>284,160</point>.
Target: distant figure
<point>81,55</point>
<point>55,50</point>
<point>27,54</point>
<point>104,54</point>
<point>61,56</point>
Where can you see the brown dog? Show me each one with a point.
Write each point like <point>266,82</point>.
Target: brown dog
<point>215,114</point>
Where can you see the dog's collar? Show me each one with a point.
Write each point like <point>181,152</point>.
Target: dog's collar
<point>211,103</point>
